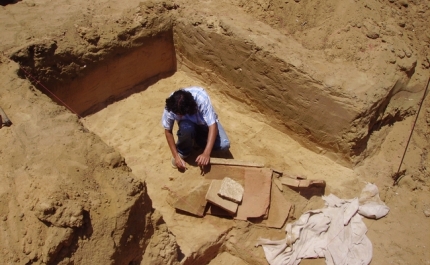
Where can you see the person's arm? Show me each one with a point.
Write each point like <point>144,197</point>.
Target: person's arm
<point>204,158</point>
<point>171,142</point>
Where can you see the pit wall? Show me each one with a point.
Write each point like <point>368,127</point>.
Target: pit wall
<point>87,207</point>
<point>322,105</point>
<point>113,80</point>
<point>291,100</point>
<point>97,69</point>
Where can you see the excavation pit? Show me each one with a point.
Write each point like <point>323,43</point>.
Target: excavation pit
<point>281,108</point>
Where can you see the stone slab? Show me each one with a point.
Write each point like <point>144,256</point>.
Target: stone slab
<point>302,183</point>
<point>212,197</point>
<point>256,198</point>
<point>233,162</point>
<point>290,181</point>
<point>278,183</point>
<point>231,190</point>
<point>227,258</point>
<point>278,211</point>
<point>192,201</point>
<point>236,173</point>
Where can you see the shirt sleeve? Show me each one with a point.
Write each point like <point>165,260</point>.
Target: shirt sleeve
<point>207,110</point>
<point>167,120</point>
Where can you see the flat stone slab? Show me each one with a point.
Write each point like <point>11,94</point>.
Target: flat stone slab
<point>301,183</point>
<point>236,173</point>
<point>227,258</point>
<point>195,202</point>
<point>231,190</point>
<point>256,198</point>
<point>187,194</point>
<point>278,211</point>
<point>213,197</point>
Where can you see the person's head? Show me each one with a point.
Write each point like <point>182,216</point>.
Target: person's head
<point>181,102</point>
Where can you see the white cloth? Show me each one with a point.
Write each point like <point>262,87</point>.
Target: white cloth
<point>335,232</point>
<point>371,206</point>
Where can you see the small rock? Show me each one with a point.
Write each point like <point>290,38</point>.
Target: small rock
<point>113,160</point>
<point>401,54</point>
<point>392,60</point>
<point>372,35</point>
<point>427,212</point>
<point>404,3</point>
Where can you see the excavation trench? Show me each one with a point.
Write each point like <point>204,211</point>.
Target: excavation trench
<point>289,88</point>
<point>134,73</point>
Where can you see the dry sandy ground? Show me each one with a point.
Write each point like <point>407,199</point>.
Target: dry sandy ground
<point>131,127</point>
<point>135,136</point>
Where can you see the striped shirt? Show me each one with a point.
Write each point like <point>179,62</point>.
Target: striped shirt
<point>205,114</point>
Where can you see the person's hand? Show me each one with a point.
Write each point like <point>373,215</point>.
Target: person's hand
<point>203,160</point>
<point>180,163</point>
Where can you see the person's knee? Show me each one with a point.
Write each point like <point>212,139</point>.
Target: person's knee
<point>224,145</point>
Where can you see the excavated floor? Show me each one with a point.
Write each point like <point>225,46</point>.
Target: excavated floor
<point>132,126</point>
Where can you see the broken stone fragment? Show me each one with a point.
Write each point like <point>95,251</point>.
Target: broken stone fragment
<point>231,190</point>
<point>191,201</point>
<point>214,198</point>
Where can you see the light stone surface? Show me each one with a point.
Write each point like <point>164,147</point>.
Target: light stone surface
<point>231,190</point>
<point>213,197</point>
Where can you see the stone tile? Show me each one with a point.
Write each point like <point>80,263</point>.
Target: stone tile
<point>290,182</point>
<point>192,201</point>
<point>231,190</point>
<point>212,197</point>
<point>227,258</point>
<point>256,198</point>
<point>278,183</point>
<point>221,171</point>
<point>278,211</point>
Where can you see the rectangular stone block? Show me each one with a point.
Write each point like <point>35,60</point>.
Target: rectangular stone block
<point>256,198</point>
<point>278,211</point>
<point>231,190</point>
<point>212,197</point>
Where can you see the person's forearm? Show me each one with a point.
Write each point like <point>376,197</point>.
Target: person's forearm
<point>171,142</point>
<point>213,131</point>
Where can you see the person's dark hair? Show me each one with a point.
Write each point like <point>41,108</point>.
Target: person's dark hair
<point>181,102</point>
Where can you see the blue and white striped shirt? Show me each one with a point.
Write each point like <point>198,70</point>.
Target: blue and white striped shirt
<point>205,114</point>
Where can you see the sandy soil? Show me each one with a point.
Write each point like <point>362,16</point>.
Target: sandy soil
<point>101,171</point>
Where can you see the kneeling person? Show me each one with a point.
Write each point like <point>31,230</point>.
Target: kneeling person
<point>192,109</point>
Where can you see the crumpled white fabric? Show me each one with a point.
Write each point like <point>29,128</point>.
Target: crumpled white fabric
<point>371,205</point>
<point>336,232</point>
